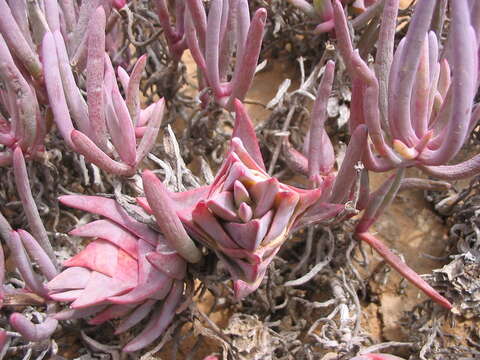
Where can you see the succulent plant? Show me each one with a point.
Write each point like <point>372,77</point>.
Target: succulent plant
<point>128,271</point>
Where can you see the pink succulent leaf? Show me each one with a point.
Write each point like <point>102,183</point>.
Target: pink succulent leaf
<point>169,263</point>
<point>38,255</point>
<point>395,262</point>
<point>160,320</point>
<point>110,209</point>
<point>133,89</point>
<point>30,331</point>
<point>245,131</point>
<point>136,316</point>
<point>167,218</point>
<point>95,75</point>
<point>13,35</point>
<point>151,131</point>
<point>23,187</point>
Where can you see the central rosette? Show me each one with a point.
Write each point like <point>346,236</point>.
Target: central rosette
<point>246,216</point>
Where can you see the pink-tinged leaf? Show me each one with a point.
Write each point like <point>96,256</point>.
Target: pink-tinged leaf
<point>288,201</point>
<point>169,263</point>
<point>16,41</point>
<point>67,296</point>
<point>167,219</point>
<point>245,131</point>
<point>242,79</point>
<point>110,232</point>
<point>394,261</point>
<point>99,255</point>
<point>245,212</point>
<point>295,160</point>
<point>122,133</point>
<point>23,188</point>
<point>208,223</point>
<point>72,278</point>
<point>151,131</point>
<point>76,103</point>
<point>94,154</point>
<point>24,105</point>
<point>30,331</point>
<point>54,87</point>
<point>133,90</point>
<point>321,157</point>
<point>146,114</point>
<point>242,154</point>
<point>95,73</point>
<point>318,213</point>
<point>222,205</point>
<point>112,312</point>
<point>110,209</point>
<point>38,254</point>
<point>242,289</point>
<point>24,265</point>
<point>212,45</point>
<point>250,235</point>
<point>160,320</point>
<point>99,288</point>
<point>150,280</point>
<point>240,193</point>
<point>136,316</point>
<point>264,194</point>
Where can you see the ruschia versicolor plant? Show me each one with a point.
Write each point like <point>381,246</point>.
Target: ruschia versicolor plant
<point>244,215</point>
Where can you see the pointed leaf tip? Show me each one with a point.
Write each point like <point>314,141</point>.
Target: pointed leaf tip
<point>245,131</point>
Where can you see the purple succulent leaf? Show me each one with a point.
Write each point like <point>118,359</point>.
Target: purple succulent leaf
<point>295,160</point>
<point>95,75</point>
<point>136,316</point>
<point>111,232</point>
<point>23,188</point>
<point>12,34</point>
<point>95,155</point>
<point>160,320</point>
<point>192,38</point>
<point>38,254</point>
<point>133,89</point>
<point>30,331</point>
<point>242,79</point>
<point>150,281</point>
<point>26,105</point>
<point>151,132</point>
<point>394,261</point>
<point>212,44</point>
<point>72,278</point>
<point>54,87</point>
<point>384,55</point>
<point>110,209</point>
<point>169,263</point>
<point>245,131</point>
<point>321,157</point>
<point>346,175</point>
<point>76,103</point>
<point>167,219</point>
<point>52,14</point>
<point>24,265</point>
